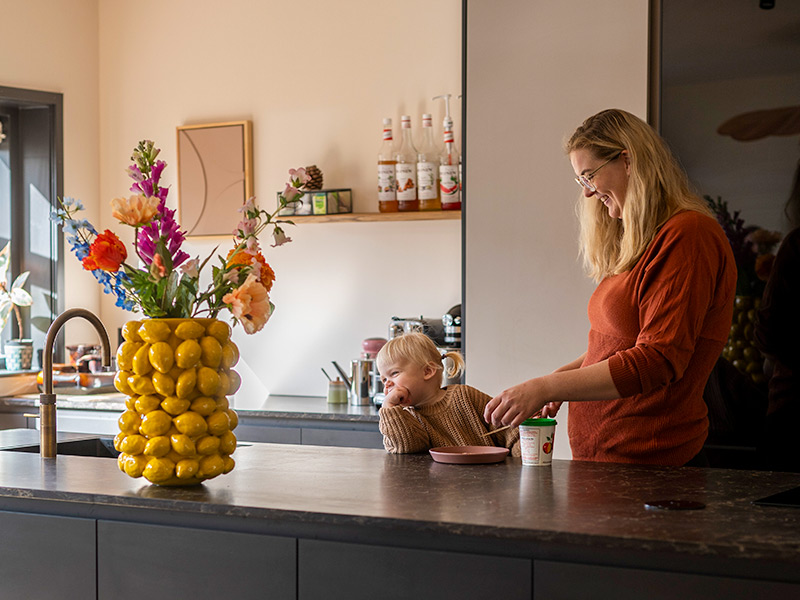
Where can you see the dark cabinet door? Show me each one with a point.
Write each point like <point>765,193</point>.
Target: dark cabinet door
<point>47,557</point>
<point>354,571</point>
<point>137,561</point>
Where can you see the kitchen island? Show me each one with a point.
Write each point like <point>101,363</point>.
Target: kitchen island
<point>319,522</point>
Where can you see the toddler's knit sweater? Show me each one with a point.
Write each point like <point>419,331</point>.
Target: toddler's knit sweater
<point>455,420</point>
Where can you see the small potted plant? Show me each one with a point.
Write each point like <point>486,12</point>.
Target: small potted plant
<point>18,352</point>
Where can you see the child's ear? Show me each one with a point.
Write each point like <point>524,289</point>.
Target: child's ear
<point>429,371</point>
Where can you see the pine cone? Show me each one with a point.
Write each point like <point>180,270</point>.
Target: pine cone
<point>315,183</point>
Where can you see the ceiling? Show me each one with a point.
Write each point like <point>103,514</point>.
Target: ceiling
<point>727,39</point>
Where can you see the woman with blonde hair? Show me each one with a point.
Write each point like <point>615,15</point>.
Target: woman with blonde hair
<point>660,314</point>
<point>418,413</point>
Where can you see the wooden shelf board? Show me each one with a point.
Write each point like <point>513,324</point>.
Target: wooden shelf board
<point>432,215</point>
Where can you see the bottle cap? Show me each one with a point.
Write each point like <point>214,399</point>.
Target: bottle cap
<point>387,121</point>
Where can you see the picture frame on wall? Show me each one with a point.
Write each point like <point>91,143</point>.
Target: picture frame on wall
<point>215,175</point>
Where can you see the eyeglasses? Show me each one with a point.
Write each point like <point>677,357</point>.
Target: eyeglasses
<point>585,181</point>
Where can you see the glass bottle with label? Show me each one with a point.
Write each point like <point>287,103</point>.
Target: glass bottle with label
<point>387,184</point>
<point>406,169</point>
<point>448,170</point>
<point>427,168</point>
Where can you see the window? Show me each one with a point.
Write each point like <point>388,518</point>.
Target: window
<point>31,160</point>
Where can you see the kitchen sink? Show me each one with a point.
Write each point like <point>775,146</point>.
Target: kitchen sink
<point>102,447</point>
<point>99,447</point>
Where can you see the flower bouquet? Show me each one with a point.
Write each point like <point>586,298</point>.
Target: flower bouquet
<point>166,281</point>
<point>752,248</point>
<point>753,252</point>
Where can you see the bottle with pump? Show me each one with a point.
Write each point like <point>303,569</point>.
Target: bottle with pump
<point>387,184</point>
<point>406,169</point>
<point>427,168</point>
<point>448,163</point>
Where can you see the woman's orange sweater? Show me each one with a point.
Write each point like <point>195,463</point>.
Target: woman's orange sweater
<point>662,326</point>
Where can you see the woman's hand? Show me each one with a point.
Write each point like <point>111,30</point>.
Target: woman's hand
<point>516,404</point>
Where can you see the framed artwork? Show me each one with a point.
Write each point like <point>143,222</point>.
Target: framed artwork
<point>215,176</point>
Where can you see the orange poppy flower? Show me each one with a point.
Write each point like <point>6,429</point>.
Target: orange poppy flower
<point>107,253</point>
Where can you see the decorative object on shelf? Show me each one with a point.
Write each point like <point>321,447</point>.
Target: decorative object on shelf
<point>177,428</point>
<point>752,248</point>
<point>18,352</point>
<point>315,178</point>
<point>215,175</point>
<point>321,202</point>
<point>753,251</point>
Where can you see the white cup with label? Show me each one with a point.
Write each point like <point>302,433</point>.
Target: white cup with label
<point>536,438</point>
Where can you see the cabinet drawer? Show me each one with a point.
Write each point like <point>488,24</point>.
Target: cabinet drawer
<point>355,571</point>
<point>44,556</point>
<point>137,561</point>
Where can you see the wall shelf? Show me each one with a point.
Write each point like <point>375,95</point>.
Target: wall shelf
<point>432,215</point>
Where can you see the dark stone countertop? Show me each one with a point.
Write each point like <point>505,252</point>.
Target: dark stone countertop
<point>274,407</point>
<point>570,511</point>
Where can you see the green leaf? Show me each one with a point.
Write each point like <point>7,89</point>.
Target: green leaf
<point>20,280</point>
<point>21,297</point>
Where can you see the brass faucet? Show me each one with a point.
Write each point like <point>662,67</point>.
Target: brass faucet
<point>47,400</point>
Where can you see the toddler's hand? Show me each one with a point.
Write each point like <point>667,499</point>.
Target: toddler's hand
<point>398,396</point>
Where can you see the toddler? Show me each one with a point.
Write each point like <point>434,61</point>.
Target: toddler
<point>418,414</point>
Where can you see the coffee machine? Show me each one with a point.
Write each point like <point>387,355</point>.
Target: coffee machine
<point>445,333</point>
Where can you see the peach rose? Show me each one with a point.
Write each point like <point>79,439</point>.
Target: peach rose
<point>250,304</point>
<point>136,210</point>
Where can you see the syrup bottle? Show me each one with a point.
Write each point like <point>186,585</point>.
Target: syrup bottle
<point>387,183</point>
<point>428,168</point>
<point>449,184</point>
<point>406,168</point>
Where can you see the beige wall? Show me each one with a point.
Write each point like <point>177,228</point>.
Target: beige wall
<point>315,78</point>
<point>52,46</point>
<point>535,70</point>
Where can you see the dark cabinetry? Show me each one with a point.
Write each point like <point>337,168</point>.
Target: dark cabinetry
<point>44,556</point>
<point>136,561</point>
<point>340,570</point>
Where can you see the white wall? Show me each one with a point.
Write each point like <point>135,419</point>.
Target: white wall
<point>315,78</point>
<point>535,70</point>
<point>755,176</point>
<point>52,47</point>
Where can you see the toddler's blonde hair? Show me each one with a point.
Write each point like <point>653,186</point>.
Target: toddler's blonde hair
<point>419,349</point>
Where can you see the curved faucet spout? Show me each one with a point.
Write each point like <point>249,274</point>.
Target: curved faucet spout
<point>47,400</point>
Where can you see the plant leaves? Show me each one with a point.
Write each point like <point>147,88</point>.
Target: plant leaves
<point>20,281</point>
<point>21,297</point>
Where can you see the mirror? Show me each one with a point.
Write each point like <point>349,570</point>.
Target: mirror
<point>718,63</point>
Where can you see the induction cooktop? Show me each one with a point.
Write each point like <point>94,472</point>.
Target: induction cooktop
<point>789,498</point>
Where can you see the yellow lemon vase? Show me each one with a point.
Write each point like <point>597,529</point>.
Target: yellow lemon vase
<point>177,428</point>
